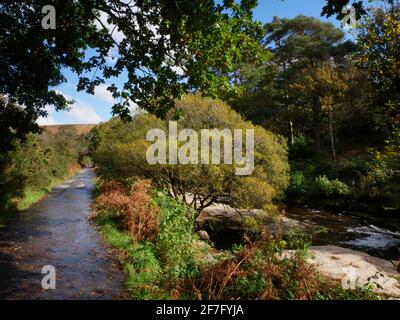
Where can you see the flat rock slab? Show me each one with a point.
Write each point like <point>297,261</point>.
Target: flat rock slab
<point>359,268</point>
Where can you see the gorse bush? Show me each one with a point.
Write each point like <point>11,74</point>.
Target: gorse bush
<point>119,149</point>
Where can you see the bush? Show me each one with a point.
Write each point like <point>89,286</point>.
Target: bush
<point>136,213</point>
<point>141,262</point>
<point>330,188</point>
<point>120,153</point>
<point>157,235</point>
<point>175,242</point>
<point>384,173</point>
<point>35,163</point>
<point>262,271</point>
<point>174,265</point>
<point>298,184</point>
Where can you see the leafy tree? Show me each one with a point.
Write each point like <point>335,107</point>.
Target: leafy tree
<point>297,44</point>
<point>321,89</point>
<point>379,52</point>
<point>121,154</point>
<point>334,7</point>
<point>15,124</point>
<point>167,48</point>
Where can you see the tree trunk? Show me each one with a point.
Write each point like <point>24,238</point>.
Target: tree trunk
<point>291,133</point>
<point>331,135</point>
<point>317,139</point>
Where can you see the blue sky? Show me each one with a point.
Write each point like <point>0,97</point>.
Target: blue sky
<point>97,108</point>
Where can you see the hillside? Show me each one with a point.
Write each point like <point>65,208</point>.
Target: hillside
<point>79,128</point>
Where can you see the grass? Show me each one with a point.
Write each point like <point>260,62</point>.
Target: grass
<point>174,266</point>
<point>33,196</point>
<point>140,263</point>
<point>153,263</point>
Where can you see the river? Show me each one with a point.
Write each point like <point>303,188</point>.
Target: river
<point>378,236</point>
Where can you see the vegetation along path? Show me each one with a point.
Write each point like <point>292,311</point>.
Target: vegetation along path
<point>57,232</point>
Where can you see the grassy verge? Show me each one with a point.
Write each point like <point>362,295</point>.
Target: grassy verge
<point>32,196</point>
<point>175,264</point>
<point>153,266</point>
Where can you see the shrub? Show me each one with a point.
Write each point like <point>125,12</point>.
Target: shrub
<point>121,154</point>
<point>86,161</point>
<point>302,148</point>
<point>35,163</point>
<point>140,259</point>
<point>137,215</point>
<point>260,270</point>
<point>329,188</point>
<point>168,267</point>
<point>175,242</point>
<point>298,183</point>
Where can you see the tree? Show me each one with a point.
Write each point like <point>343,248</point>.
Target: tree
<point>335,7</point>
<point>378,52</point>
<point>321,89</point>
<point>121,154</point>
<point>167,48</point>
<point>302,41</point>
<point>297,44</point>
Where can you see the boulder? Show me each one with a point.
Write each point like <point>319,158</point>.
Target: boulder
<point>203,235</point>
<point>357,268</point>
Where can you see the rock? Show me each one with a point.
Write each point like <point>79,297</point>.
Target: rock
<point>350,266</point>
<point>203,235</point>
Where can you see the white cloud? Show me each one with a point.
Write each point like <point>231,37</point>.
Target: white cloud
<point>46,121</point>
<point>49,119</point>
<point>81,113</point>
<point>117,35</point>
<point>102,93</point>
<point>78,113</point>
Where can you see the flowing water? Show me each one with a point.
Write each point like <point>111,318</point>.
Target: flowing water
<point>56,232</point>
<point>377,236</point>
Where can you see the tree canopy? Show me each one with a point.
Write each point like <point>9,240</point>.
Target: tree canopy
<point>164,48</point>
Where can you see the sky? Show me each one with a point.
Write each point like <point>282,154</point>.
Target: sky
<point>92,109</point>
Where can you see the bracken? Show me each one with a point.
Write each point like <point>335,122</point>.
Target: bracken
<point>134,208</point>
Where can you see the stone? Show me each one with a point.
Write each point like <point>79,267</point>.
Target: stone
<point>336,263</point>
<point>203,235</point>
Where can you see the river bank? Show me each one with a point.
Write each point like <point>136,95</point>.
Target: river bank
<point>342,243</point>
